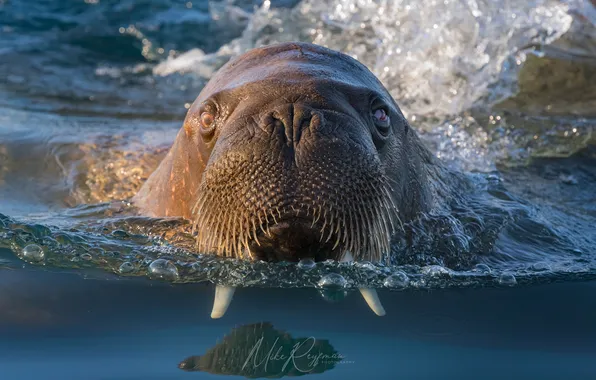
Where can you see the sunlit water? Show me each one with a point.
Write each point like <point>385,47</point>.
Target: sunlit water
<point>92,94</point>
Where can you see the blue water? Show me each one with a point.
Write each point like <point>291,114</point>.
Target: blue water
<point>104,328</point>
<point>92,94</point>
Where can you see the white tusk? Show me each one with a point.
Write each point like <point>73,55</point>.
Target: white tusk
<point>370,295</point>
<point>372,299</point>
<point>223,298</point>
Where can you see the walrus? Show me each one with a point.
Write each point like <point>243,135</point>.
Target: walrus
<point>293,151</point>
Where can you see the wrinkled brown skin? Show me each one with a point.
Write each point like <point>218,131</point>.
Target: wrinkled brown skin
<point>324,134</point>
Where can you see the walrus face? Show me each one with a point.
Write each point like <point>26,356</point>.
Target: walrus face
<point>304,158</point>
<point>293,151</point>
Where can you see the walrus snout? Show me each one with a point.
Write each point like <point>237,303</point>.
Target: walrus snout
<point>292,240</point>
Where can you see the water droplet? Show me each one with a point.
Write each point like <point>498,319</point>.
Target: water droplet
<point>126,267</point>
<point>397,280</point>
<point>86,257</point>
<point>33,253</point>
<point>482,268</point>
<point>507,279</point>
<point>163,269</point>
<point>435,271</point>
<point>332,280</point>
<point>307,264</point>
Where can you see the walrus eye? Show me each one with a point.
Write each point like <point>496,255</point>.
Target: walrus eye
<point>207,119</point>
<point>207,122</point>
<point>382,121</point>
<point>380,115</point>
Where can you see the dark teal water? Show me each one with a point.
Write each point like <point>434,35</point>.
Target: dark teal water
<point>102,327</point>
<point>92,94</point>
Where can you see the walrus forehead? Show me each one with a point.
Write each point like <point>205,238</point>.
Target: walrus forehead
<point>292,66</point>
<point>295,72</point>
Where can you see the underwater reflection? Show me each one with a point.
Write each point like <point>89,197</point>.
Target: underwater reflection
<point>260,350</point>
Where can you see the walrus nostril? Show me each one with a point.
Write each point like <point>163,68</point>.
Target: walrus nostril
<point>290,121</point>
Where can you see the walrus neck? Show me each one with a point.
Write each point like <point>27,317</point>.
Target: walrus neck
<point>172,189</point>
<point>416,195</point>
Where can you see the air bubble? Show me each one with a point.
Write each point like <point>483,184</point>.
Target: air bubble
<point>435,271</point>
<point>163,269</point>
<point>126,267</point>
<point>306,264</point>
<point>482,268</point>
<point>33,253</point>
<point>332,280</point>
<point>86,257</point>
<point>507,279</point>
<point>397,280</point>
<point>540,267</point>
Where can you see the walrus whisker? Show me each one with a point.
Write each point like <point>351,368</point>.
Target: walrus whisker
<point>237,230</point>
<point>316,213</point>
<point>268,231</point>
<point>367,227</point>
<point>266,215</point>
<point>254,232</point>
<point>369,220</point>
<point>322,232</point>
<point>226,240</point>
<point>338,233</point>
<point>333,215</point>
<point>358,231</point>
<point>260,222</point>
<point>214,236</point>
<point>394,208</point>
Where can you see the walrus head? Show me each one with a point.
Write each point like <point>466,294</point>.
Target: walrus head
<point>292,151</point>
